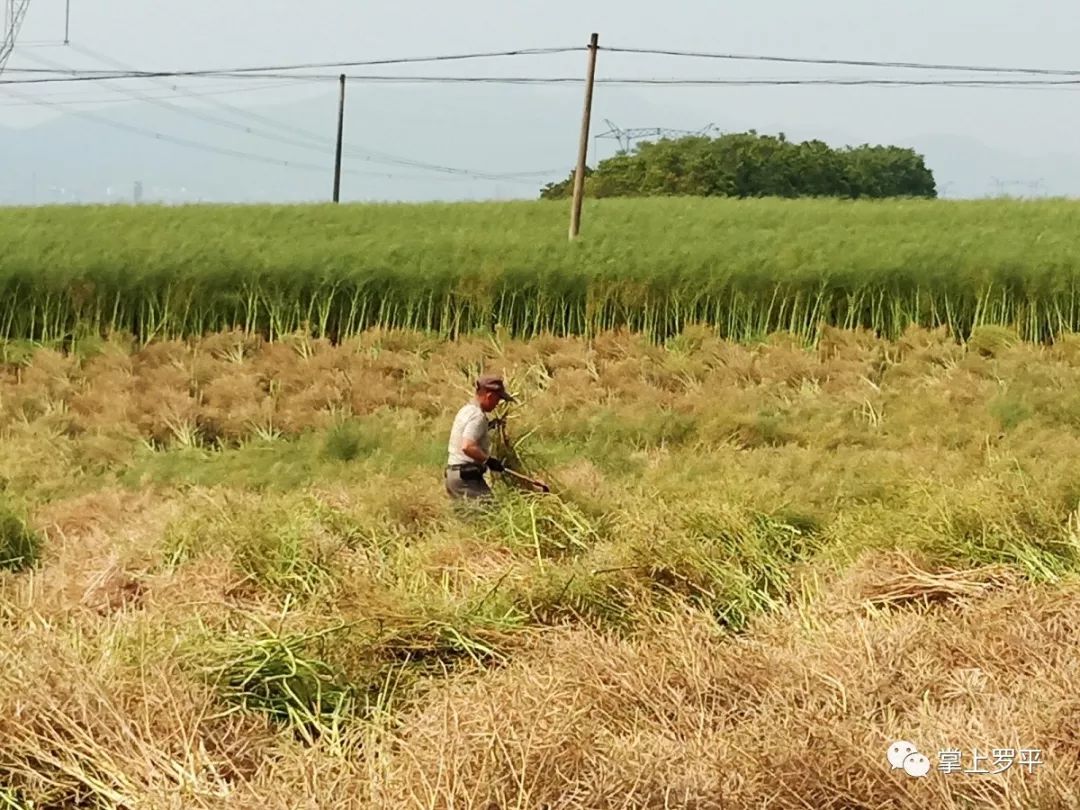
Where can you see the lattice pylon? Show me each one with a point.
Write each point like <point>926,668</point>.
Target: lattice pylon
<point>14,14</point>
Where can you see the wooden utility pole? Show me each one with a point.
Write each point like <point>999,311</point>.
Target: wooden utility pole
<point>583,144</point>
<point>67,23</point>
<point>340,132</point>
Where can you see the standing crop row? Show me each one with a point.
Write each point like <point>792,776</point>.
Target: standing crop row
<point>745,268</point>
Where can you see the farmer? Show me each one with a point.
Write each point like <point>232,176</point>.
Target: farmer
<point>470,442</point>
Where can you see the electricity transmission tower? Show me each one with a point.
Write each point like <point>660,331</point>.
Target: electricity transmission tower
<point>1034,186</point>
<point>14,13</point>
<point>628,137</point>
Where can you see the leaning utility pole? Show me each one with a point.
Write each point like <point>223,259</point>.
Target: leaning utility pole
<point>583,144</point>
<point>340,132</point>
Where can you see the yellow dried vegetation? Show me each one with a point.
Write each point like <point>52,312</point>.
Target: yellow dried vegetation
<point>230,578</point>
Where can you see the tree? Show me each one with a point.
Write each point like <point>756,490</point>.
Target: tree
<point>753,165</point>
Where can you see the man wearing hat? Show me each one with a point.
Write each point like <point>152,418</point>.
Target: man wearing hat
<point>470,442</point>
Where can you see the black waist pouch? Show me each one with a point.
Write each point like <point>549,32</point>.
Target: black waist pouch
<point>472,473</point>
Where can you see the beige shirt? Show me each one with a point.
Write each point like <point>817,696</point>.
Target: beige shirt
<point>470,423</point>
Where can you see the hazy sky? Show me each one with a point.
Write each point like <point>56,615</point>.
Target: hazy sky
<point>193,34</point>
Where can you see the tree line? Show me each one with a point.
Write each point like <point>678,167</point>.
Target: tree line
<point>753,165</point>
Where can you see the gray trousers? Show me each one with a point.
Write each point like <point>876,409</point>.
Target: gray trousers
<point>467,484</point>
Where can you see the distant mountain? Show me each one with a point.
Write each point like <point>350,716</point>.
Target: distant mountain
<point>80,158</point>
<point>74,159</point>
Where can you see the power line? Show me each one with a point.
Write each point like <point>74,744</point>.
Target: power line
<point>409,60</point>
<point>68,77</point>
<point>316,138</point>
<point>847,62</point>
<point>186,142</point>
<point>175,92</point>
<point>712,82</point>
<point>201,116</point>
<point>858,82</point>
<point>191,144</point>
<point>405,60</point>
<point>102,75</point>
<point>363,154</point>
<point>575,80</point>
<point>292,164</point>
<point>272,130</point>
<point>315,142</point>
<point>639,81</point>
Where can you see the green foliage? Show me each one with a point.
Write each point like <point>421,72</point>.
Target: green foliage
<point>16,352</point>
<point>283,545</point>
<point>277,465</point>
<point>20,546</point>
<point>347,442</point>
<point>1009,410</point>
<point>11,799</point>
<point>990,341</point>
<point>640,430</point>
<point>548,527</point>
<point>281,676</point>
<point>752,165</point>
<point>766,429</point>
<point>733,563</point>
<point>1028,535</point>
<point>745,268</point>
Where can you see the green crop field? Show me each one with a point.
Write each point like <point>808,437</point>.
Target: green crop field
<point>747,268</point>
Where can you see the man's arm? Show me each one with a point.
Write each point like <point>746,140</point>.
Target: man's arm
<point>471,434</point>
<point>473,451</point>
<point>470,444</point>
